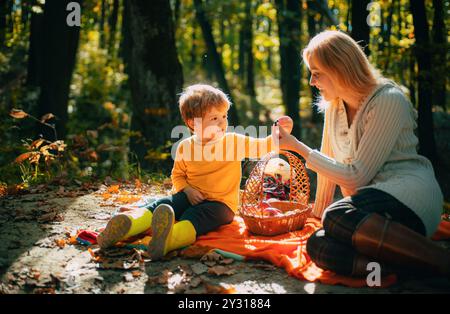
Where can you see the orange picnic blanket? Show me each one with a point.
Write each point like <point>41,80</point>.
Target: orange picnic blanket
<point>288,251</point>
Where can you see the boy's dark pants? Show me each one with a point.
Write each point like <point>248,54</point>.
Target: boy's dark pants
<point>205,217</point>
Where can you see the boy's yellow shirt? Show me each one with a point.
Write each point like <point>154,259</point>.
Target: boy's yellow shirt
<point>214,168</point>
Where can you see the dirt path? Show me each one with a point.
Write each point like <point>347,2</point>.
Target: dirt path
<point>35,256</point>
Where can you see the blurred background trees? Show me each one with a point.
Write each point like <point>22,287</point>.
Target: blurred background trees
<point>113,83</point>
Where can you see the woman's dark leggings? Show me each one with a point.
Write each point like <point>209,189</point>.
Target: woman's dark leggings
<point>331,247</point>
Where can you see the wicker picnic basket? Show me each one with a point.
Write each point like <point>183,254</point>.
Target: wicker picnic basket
<point>295,210</point>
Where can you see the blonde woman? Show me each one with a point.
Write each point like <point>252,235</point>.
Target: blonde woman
<point>392,202</point>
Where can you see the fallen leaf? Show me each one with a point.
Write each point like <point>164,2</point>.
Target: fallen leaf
<point>195,251</point>
<point>61,243</point>
<point>44,291</point>
<point>18,114</point>
<point>106,264</point>
<point>214,289</point>
<point>199,268</point>
<point>114,189</point>
<point>22,157</point>
<point>221,270</point>
<point>212,256</point>
<point>138,184</point>
<point>210,263</point>
<point>195,282</point>
<point>136,273</point>
<point>226,261</point>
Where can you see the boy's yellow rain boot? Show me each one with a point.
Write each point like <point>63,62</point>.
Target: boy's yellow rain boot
<point>125,225</point>
<point>168,235</point>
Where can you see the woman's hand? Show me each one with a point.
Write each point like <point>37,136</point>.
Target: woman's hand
<point>285,140</point>
<point>286,123</point>
<point>194,196</point>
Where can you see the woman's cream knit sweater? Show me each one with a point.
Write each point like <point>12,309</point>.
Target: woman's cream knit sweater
<point>378,151</point>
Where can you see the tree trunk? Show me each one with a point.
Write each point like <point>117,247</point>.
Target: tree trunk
<point>440,47</point>
<point>102,24</point>
<point>155,75</point>
<point>248,43</point>
<point>315,115</point>
<point>3,12</point>
<point>412,77</point>
<point>126,43</point>
<point>35,50</point>
<point>176,13</point>
<point>388,36</point>
<point>360,29</point>
<point>425,80</point>
<point>214,57</point>
<point>269,49</point>
<point>289,21</point>
<point>10,12</point>
<point>113,26</point>
<point>25,6</point>
<point>193,53</point>
<point>241,56</point>
<point>60,43</point>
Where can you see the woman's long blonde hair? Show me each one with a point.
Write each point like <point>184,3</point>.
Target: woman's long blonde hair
<point>340,56</point>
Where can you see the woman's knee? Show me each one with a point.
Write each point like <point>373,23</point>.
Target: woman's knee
<point>341,220</point>
<point>314,243</point>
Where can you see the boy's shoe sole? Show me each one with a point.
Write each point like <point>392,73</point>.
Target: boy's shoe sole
<point>116,229</point>
<point>162,224</point>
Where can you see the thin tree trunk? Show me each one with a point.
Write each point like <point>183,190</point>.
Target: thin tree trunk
<point>412,77</point>
<point>176,12</point>
<point>241,56</point>
<point>126,43</point>
<point>155,75</point>
<point>250,75</point>
<point>113,26</point>
<point>3,13</point>
<point>315,116</point>
<point>194,44</point>
<point>425,79</point>
<point>289,23</point>
<point>25,6</point>
<point>214,56</point>
<point>388,35</point>
<point>10,12</point>
<point>35,51</point>
<point>440,51</point>
<point>102,24</point>
<point>60,43</point>
<point>347,18</point>
<point>360,28</point>
<point>269,49</point>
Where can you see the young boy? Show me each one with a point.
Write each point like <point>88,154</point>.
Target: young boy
<point>206,176</point>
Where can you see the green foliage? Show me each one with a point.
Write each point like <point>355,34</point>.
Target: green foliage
<point>99,105</point>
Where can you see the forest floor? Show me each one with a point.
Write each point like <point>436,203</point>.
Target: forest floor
<point>37,255</point>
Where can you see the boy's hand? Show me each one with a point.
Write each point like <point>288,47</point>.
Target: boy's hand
<point>194,196</point>
<point>286,123</point>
